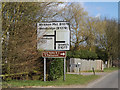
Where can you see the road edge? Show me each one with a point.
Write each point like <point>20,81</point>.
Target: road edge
<point>99,79</point>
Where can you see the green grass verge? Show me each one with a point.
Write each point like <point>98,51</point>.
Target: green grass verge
<point>92,71</point>
<point>70,80</point>
<point>105,70</point>
<point>110,69</point>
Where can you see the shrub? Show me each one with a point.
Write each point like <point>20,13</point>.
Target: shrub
<point>102,54</point>
<point>55,69</point>
<point>83,54</point>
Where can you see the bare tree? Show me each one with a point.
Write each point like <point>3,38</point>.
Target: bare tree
<point>19,20</point>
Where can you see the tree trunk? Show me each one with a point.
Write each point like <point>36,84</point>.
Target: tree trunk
<point>76,47</point>
<point>109,62</point>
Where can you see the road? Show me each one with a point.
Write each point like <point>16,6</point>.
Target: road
<point>108,81</point>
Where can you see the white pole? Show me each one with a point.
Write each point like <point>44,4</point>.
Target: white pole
<point>64,68</point>
<point>70,66</point>
<point>44,69</point>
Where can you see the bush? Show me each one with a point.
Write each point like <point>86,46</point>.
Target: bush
<point>83,54</point>
<point>92,55</point>
<point>36,77</point>
<point>102,54</point>
<point>56,69</point>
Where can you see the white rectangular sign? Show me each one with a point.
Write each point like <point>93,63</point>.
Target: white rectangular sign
<point>53,36</point>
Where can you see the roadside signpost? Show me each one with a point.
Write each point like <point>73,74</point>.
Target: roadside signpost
<point>53,54</point>
<point>54,39</point>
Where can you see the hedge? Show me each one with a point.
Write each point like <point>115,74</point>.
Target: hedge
<point>83,54</point>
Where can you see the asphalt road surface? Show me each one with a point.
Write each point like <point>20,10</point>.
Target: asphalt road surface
<point>108,81</point>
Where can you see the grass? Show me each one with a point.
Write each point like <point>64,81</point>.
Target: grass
<point>70,80</point>
<point>110,69</point>
<point>105,70</point>
<point>92,71</point>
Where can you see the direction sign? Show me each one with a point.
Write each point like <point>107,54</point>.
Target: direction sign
<point>54,54</point>
<point>53,36</point>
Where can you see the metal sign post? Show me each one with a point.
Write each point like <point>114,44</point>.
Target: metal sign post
<point>64,68</point>
<point>44,69</point>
